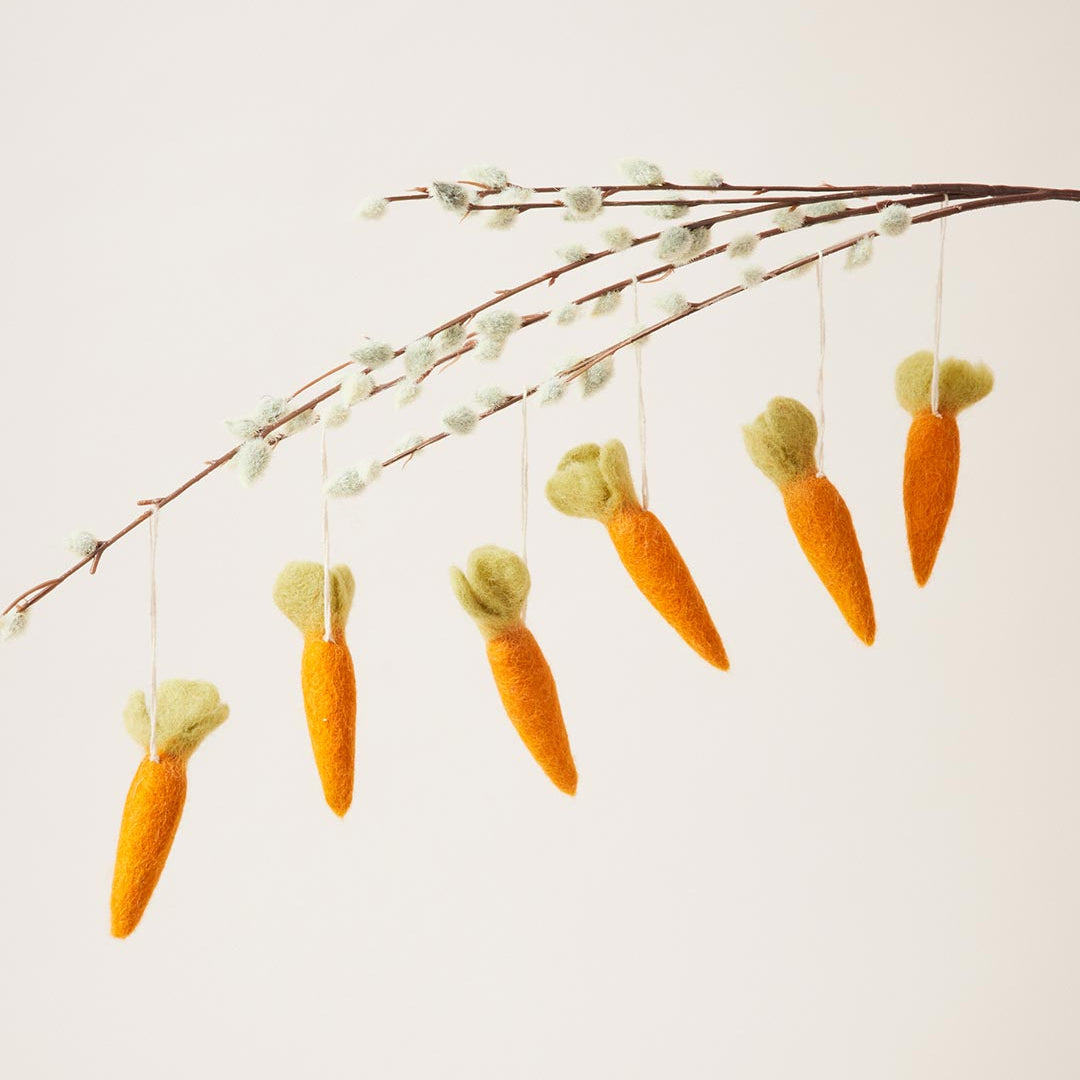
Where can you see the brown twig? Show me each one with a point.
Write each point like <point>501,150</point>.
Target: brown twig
<point>984,197</point>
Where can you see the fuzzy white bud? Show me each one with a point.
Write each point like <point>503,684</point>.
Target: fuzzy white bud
<point>607,302</point>
<point>489,175</point>
<point>582,202</point>
<point>619,238</point>
<point>639,171</point>
<point>789,218</point>
<point>572,253</point>
<point>356,386</point>
<point>498,323</point>
<point>299,422</point>
<point>667,211</point>
<point>450,339</point>
<point>373,354</point>
<point>894,220</point>
<point>551,390</point>
<point>673,303</point>
<point>488,350</point>
<point>860,253</point>
<point>335,413</point>
<point>460,420</point>
<point>598,376</point>
<point>491,397</point>
<point>81,543</point>
<point>251,460</point>
<point>567,314</point>
<point>674,244</point>
<point>751,277</point>
<point>13,624</point>
<point>707,178</point>
<point>743,246</point>
<point>419,357</point>
<point>372,209</point>
<point>452,197</point>
<point>825,209</point>
<point>269,410</point>
<point>407,392</point>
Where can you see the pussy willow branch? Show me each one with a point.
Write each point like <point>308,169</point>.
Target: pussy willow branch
<point>1005,196</point>
<point>553,275</point>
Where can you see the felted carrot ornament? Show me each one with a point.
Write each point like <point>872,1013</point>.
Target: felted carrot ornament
<point>493,590</point>
<point>594,481</point>
<point>932,457</point>
<point>781,442</point>
<point>186,713</point>
<point>326,672</point>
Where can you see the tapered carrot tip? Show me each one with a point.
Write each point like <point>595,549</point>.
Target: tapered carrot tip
<point>932,454</point>
<point>186,713</point>
<point>781,443</point>
<point>327,677</point>
<point>594,481</point>
<point>493,590</point>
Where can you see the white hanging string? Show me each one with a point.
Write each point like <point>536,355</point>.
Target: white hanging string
<point>525,475</point>
<point>152,748</point>
<point>328,632</point>
<point>640,401</point>
<point>820,450</point>
<point>935,371</point>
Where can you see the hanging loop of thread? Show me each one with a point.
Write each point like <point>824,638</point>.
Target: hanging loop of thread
<point>152,746</point>
<point>328,630</point>
<point>640,401</point>
<point>525,475</point>
<point>820,449</point>
<point>936,369</point>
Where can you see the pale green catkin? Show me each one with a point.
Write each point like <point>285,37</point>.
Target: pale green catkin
<point>298,593</point>
<point>187,711</point>
<point>782,440</point>
<point>592,481</point>
<point>493,589</point>
<point>960,383</point>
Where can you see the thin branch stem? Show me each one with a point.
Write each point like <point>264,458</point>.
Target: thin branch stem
<point>979,196</point>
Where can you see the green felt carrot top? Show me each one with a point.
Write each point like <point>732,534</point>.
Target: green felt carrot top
<point>187,711</point>
<point>782,441</point>
<point>960,383</point>
<point>493,589</point>
<point>298,592</point>
<point>593,481</point>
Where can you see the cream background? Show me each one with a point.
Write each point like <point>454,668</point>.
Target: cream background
<point>829,863</point>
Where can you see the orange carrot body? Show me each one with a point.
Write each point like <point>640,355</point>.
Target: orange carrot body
<point>329,685</point>
<point>822,524</point>
<point>528,693</point>
<point>931,466</point>
<point>152,812</point>
<point>658,570</point>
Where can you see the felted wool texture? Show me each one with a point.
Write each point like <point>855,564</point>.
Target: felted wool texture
<point>960,383</point>
<point>822,524</point>
<point>932,454</point>
<point>298,593</point>
<point>931,467</point>
<point>594,481</point>
<point>781,442</point>
<point>151,816</point>
<point>328,681</point>
<point>531,700</point>
<point>187,711</point>
<point>327,676</point>
<point>493,591</point>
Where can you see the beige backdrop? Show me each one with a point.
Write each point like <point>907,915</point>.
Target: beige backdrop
<point>828,863</point>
